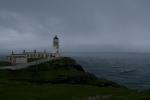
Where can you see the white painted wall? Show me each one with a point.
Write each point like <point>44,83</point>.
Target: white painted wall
<point>21,60</point>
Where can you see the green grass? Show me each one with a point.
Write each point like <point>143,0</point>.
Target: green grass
<point>31,91</point>
<point>57,92</point>
<point>4,63</point>
<point>44,82</point>
<point>58,71</point>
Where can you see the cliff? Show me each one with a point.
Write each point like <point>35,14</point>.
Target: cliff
<point>63,70</point>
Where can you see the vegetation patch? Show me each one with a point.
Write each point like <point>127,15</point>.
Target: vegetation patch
<point>4,63</point>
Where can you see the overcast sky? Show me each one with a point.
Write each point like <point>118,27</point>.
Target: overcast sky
<point>82,25</point>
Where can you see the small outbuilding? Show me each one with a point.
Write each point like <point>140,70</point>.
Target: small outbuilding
<point>17,58</point>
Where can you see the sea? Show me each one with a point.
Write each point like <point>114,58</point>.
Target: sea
<point>129,69</point>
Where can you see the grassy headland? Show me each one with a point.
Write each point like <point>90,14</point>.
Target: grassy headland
<point>61,79</point>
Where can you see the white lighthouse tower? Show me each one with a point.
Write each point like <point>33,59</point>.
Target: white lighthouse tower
<point>56,47</point>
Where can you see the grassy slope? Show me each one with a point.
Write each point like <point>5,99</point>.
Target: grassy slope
<point>63,70</point>
<point>28,91</point>
<point>35,83</point>
<point>4,63</point>
<point>57,92</point>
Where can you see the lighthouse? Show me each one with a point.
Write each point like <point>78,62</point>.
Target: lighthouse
<point>56,47</point>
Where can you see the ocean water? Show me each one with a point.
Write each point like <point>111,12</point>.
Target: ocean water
<point>129,69</point>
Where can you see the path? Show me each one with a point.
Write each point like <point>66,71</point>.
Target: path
<point>22,66</point>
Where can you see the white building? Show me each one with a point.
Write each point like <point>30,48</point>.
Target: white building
<point>17,58</point>
<point>36,54</point>
<point>55,47</point>
<point>26,57</point>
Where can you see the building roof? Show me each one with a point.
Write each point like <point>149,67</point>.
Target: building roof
<point>18,55</point>
<point>35,52</point>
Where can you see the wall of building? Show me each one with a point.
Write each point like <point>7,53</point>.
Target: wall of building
<point>37,55</point>
<point>21,60</point>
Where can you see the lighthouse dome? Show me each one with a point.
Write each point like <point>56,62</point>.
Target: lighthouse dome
<point>56,37</point>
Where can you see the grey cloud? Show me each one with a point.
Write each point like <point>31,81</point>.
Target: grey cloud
<point>93,25</point>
